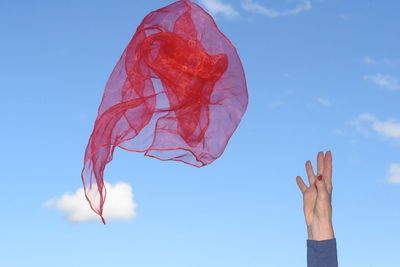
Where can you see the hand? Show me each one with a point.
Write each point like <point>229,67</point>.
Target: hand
<point>317,198</point>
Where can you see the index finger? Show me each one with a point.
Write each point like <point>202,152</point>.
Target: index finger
<point>320,163</point>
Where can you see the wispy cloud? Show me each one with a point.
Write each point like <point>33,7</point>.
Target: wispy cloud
<point>387,129</point>
<point>324,101</point>
<point>254,7</point>
<point>119,204</point>
<point>276,104</point>
<point>369,60</point>
<point>338,132</point>
<point>363,123</point>
<point>393,175</point>
<point>385,62</point>
<point>366,122</point>
<point>216,7</point>
<point>385,81</point>
<point>281,100</point>
<point>343,16</point>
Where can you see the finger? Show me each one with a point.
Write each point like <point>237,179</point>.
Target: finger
<point>301,184</point>
<point>320,163</point>
<point>321,189</point>
<point>328,169</point>
<point>310,172</point>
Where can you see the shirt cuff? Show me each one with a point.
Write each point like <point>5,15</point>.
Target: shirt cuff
<point>322,253</point>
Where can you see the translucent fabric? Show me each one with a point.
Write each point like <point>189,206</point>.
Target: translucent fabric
<point>178,92</point>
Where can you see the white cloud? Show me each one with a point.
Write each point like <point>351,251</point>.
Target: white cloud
<point>367,121</point>
<point>388,129</point>
<point>367,116</point>
<point>394,173</point>
<point>384,81</point>
<point>324,101</point>
<point>369,60</point>
<point>338,132</point>
<point>276,104</point>
<point>362,123</point>
<point>343,16</point>
<point>119,204</point>
<point>254,7</point>
<point>216,7</point>
<point>392,63</point>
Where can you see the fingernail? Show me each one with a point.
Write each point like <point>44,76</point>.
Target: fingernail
<point>319,177</point>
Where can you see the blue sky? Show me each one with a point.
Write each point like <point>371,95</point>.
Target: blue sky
<point>322,75</point>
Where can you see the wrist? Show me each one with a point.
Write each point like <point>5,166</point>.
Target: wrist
<point>320,231</point>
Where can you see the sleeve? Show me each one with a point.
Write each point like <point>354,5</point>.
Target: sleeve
<point>322,253</point>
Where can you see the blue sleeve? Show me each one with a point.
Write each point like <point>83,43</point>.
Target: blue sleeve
<point>322,253</point>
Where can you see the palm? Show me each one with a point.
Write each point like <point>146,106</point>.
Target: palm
<point>317,202</point>
<point>309,200</point>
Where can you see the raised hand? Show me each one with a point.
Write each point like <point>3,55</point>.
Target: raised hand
<point>317,198</point>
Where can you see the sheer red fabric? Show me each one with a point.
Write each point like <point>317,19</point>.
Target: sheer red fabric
<point>178,92</point>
